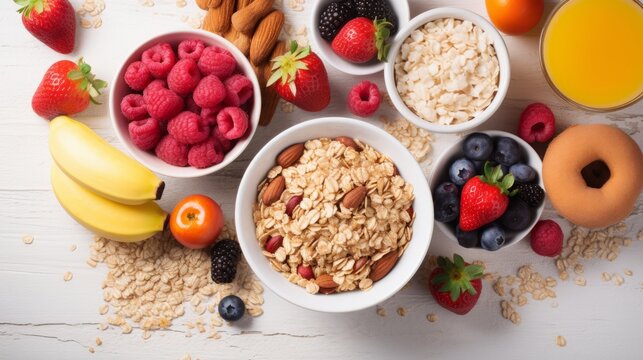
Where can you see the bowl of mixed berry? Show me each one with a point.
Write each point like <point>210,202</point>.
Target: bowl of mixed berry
<point>185,103</point>
<point>487,190</point>
<point>354,36</point>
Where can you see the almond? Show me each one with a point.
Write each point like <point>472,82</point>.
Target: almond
<point>202,4</point>
<point>214,3</point>
<point>266,36</point>
<point>348,142</point>
<point>290,155</point>
<point>217,20</point>
<point>325,281</point>
<point>359,264</point>
<point>354,198</point>
<point>383,266</point>
<point>240,40</point>
<point>243,3</point>
<point>273,191</point>
<point>269,96</point>
<point>245,20</point>
<point>292,204</point>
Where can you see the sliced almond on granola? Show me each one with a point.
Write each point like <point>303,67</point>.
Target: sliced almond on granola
<point>273,190</point>
<point>383,266</point>
<point>354,198</point>
<point>290,155</point>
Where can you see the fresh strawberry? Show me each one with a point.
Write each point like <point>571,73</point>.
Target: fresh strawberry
<point>51,21</point>
<point>456,285</point>
<point>66,89</point>
<point>362,39</point>
<point>484,198</point>
<point>300,78</point>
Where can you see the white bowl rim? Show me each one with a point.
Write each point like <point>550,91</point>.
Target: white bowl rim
<point>520,235</point>
<point>342,302</point>
<point>401,8</point>
<point>501,52</point>
<point>171,170</point>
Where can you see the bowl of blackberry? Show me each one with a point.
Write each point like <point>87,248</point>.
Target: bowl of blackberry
<point>354,36</point>
<point>487,190</point>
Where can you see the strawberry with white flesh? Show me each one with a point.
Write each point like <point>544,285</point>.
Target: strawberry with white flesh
<point>363,39</point>
<point>456,285</point>
<point>299,76</point>
<point>51,21</point>
<point>485,198</point>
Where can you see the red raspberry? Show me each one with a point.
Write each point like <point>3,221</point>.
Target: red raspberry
<point>209,92</point>
<point>217,61</point>
<point>209,115</point>
<point>137,76</point>
<point>162,104</point>
<point>191,49</point>
<point>232,122</point>
<point>537,124</point>
<point>187,128</point>
<point>190,105</point>
<point>364,99</point>
<point>547,238</point>
<point>159,60</point>
<point>172,152</point>
<point>238,90</point>
<point>206,154</point>
<point>154,85</point>
<point>226,143</point>
<point>145,134</point>
<point>183,77</point>
<point>133,107</point>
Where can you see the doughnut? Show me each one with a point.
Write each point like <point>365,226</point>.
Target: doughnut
<point>593,174</point>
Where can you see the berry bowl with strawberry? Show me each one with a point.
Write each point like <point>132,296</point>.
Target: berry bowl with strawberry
<point>487,190</point>
<point>185,103</point>
<point>354,35</point>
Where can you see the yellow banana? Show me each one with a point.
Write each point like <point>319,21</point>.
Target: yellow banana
<point>92,162</point>
<point>105,217</point>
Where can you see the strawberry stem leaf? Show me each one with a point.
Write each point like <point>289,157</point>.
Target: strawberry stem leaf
<point>382,33</point>
<point>494,176</point>
<point>286,66</point>
<point>27,6</point>
<point>456,276</point>
<point>86,81</point>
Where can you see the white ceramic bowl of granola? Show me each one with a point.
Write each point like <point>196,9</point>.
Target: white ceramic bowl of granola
<point>454,151</point>
<point>119,89</point>
<point>501,53</point>
<point>408,168</point>
<point>323,48</point>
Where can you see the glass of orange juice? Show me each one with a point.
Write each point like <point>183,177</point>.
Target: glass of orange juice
<point>591,52</point>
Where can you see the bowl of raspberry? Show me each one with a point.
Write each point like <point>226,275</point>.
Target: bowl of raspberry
<point>185,103</point>
<point>487,190</point>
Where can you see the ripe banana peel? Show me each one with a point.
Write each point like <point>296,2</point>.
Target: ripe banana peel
<point>95,164</point>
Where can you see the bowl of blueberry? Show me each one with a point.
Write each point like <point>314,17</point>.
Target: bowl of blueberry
<point>488,190</point>
<point>354,35</point>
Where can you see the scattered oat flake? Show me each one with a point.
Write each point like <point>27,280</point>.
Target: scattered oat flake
<point>186,357</point>
<point>606,276</point>
<point>286,107</point>
<point>181,3</point>
<point>68,276</point>
<point>401,311</point>
<point>380,311</point>
<point>103,309</point>
<point>72,247</point>
<point>554,304</point>
<point>99,341</point>
<point>628,272</point>
<point>417,141</point>
<point>432,317</point>
<point>91,349</point>
<point>561,341</point>
<point>27,239</point>
<point>618,279</point>
<point>580,281</point>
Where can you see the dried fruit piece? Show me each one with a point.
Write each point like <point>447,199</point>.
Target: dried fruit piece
<point>290,155</point>
<point>274,243</point>
<point>292,204</point>
<point>306,272</point>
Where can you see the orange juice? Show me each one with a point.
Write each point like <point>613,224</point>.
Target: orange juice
<point>592,52</point>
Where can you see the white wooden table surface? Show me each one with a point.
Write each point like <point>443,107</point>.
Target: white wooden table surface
<point>43,317</point>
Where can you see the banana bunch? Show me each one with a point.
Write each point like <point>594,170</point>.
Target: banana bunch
<point>103,189</point>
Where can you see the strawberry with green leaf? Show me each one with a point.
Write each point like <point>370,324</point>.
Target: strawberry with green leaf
<point>299,76</point>
<point>66,89</point>
<point>456,285</point>
<point>485,198</point>
<point>362,40</point>
<point>51,21</point>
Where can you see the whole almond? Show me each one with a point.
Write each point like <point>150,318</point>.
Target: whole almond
<point>269,96</point>
<point>274,243</point>
<point>325,281</point>
<point>290,155</point>
<point>327,290</point>
<point>354,198</point>
<point>214,3</point>
<point>273,191</point>
<point>245,20</point>
<point>383,266</point>
<point>359,264</point>
<point>202,4</point>
<point>292,204</point>
<point>348,142</point>
<point>217,20</point>
<point>266,36</point>
<point>242,3</point>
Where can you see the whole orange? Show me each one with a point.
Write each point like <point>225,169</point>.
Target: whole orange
<point>515,17</point>
<point>196,221</point>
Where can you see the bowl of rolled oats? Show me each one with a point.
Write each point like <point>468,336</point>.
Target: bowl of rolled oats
<point>448,70</point>
<point>326,211</point>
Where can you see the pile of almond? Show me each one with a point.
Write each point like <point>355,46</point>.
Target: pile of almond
<point>253,26</point>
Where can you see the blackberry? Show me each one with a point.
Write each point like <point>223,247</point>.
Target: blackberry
<point>225,255</point>
<point>334,17</point>
<point>532,194</point>
<point>380,9</point>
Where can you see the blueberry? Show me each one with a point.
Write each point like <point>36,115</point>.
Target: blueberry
<point>467,239</point>
<point>517,216</point>
<point>231,308</point>
<point>507,151</point>
<point>505,169</point>
<point>445,189</point>
<point>492,238</point>
<point>478,146</point>
<point>479,166</point>
<point>523,173</point>
<point>461,171</point>
<point>447,208</point>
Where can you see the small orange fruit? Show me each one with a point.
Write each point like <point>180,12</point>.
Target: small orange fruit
<point>515,17</point>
